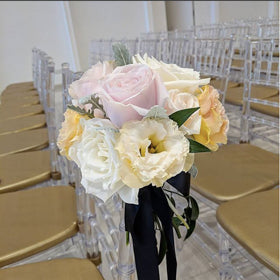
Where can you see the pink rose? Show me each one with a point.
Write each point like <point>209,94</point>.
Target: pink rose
<point>89,83</point>
<point>130,91</point>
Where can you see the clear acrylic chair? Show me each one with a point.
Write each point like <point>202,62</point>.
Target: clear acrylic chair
<point>112,238</point>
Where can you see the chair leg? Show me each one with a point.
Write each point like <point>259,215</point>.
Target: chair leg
<point>226,270</point>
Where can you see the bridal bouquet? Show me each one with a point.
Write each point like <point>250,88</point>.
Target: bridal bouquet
<point>133,125</point>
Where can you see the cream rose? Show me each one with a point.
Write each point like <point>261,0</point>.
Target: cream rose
<point>183,100</point>
<point>173,76</point>
<point>129,92</point>
<point>151,152</point>
<point>97,158</point>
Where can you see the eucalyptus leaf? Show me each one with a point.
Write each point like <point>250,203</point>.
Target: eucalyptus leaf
<point>195,209</point>
<point>193,171</point>
<point>191,229</point>
<point>196,147</point>
<point>121,54</point>
<point>176,223</point>
<point>181,116</point>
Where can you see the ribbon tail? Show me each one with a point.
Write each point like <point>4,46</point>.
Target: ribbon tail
<point>181,182</point>
<point>143,235</point>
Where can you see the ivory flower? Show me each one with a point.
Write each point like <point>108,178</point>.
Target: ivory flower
<point>70,131</point>
<point>151,152</point>
<point>183,100</point>
<point>98,160</point>
<point>214,124</point>
<point>173,76</point>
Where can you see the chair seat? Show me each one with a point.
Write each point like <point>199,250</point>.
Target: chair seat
<point>59,269</point>
<point>6,113</point>
<point>12,93</point>
<point>217,84</point>
<point>22,170</point>
<point>22,124</point>
<point>20,102</point>
<point>253,221</point>
<point>235,171</point>
<point>235,95</point>
<point>268,110</point>
<point>28,84</point>
<point>35,220</point>
<point>35,139</point>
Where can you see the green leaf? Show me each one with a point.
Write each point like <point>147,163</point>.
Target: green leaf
<point>176,223</point>
<point>127,237</point>
<point>196,147</point>
<point>193,171</point>
<point>172,201</point>
<point>121,54</point>
<point>195,209</point>
<point>181,116</point>
<point>190,230</point>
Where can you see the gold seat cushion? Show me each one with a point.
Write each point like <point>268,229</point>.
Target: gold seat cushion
<point>35,139</point>
<point>20,102</point>
<point>254,222</point>
<point>237,63</point>
<point>234,171</point>
<point>59,269</point>
<point>35,220</point>
<point>268,110</point>
<point>21,84</point>
<point>217,84</point>
<point>18,93</point>
<point>22,170</point>
<point>7,113</point>
<point>22,124</point>
<point>235,95</point>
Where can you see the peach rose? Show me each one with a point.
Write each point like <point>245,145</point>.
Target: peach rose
<point>70,131</point>
<point>214,123</point>
<point>130,91</point>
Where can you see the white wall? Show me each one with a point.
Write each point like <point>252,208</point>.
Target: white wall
<point>179,13</point>
<point>113,19</point>
<point>25,24</point>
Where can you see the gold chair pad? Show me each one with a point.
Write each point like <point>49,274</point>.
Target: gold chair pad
<point>58,269</point>
<point>254,222</point>
<point>13,103</point>
<point>234,171</point>
<point>35,220</point>
<point>35,139</point>
<point>235,95</point>
<point>6,113</point>
<point>20,93</point>
<point>22,124</point>
<point>22,170</point>
<point>268,110</point>
<point>217,84</point>
<point>21,84</point>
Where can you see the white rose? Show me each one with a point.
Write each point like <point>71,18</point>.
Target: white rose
<point>99,161</point>
<point>173,76</point>
<point>151,152</point>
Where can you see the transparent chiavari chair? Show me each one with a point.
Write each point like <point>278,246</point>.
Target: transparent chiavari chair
<point>152,47</point>
<point>238,170</point>
<point>112,239</point>
<point>261,112</point>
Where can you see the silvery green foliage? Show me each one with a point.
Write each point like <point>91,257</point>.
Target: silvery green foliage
<point>121,54</point>
<point>193,171</point>
<point>157,112</point>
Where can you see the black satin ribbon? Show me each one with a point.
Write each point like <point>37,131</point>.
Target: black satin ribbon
<point>139,221</point>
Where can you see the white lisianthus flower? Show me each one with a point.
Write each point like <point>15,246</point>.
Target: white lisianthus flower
<point>99,161</point>
<point>151,152</point>
<point>173,76</point>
